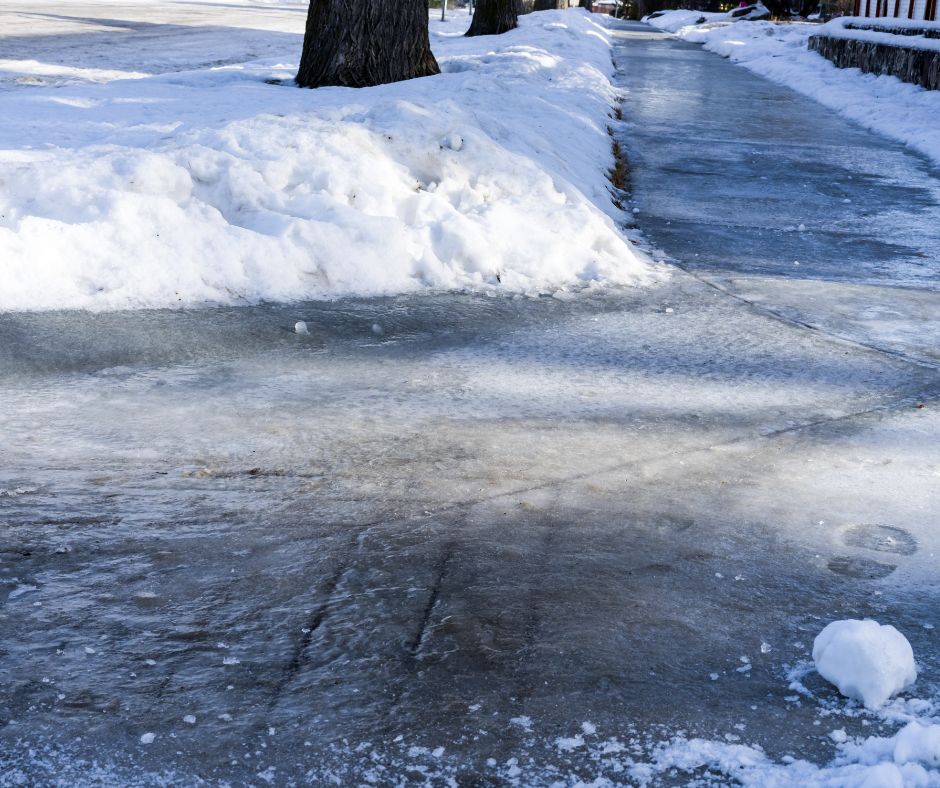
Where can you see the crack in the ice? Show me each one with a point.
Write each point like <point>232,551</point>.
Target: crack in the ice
<point>774,314</point>
<point>435,592</point>
<point>314,622</point>
<point>927,393</point>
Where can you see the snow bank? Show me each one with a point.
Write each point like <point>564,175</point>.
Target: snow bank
<point>212,185</point>
<point>904,112</point>
<point>875,30</point>
<point>867,661</point>
<point>674,21</point>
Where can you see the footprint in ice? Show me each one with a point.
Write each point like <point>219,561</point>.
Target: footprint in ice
<point>881,538</point>
<point>861,568</point>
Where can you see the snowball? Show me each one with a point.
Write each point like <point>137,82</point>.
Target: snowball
<point>867,661</point>
<point>300,327</point>
<point>147,738</point>
<point>377,329</point>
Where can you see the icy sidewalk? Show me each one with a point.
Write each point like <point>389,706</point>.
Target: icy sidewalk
<point>778,51</point>
<point>165,179</point>
<point>486,539</point>
<point>772,197</point>
<point>776,202</point>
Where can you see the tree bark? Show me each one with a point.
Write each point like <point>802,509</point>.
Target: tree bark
<point>779,9</point>
<point>585,4</point>
<point>492,17</point>
<point>360,43</point>
<point>549,5</point>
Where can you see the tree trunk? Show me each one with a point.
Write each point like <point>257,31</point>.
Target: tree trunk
<point>492,17</point>
<point>549,5</point>
<point>779,9</point>
<point>585,4</point>
<point>360,43</point>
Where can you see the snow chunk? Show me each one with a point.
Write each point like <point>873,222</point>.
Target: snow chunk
<point>300,327</point>
<point>147,738</point>
<point>567,744</point>
<point>867,661</point>
<point>917,743</point>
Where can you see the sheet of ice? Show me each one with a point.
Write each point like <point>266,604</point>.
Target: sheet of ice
<point>779,52</point>
<point>211,185</point>
<point>867,661</point>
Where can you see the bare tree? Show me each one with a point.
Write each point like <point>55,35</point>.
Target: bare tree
<point>492,17</point>
<point>359,43</point>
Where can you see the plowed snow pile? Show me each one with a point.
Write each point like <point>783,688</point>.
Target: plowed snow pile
<point>134,187</point>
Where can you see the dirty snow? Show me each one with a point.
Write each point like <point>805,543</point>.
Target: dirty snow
<point>187,182</point>
<point>778,51</point>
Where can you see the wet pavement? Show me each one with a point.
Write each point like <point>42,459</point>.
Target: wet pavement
<point>491,540</point>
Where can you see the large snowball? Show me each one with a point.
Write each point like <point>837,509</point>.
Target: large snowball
<point>867,661</point>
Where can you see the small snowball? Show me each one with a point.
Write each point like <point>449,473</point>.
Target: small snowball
<point>147,738</point>
<point>802,228</point>
<point>765,648</point>
<point>190,719</point>
<point>300,327</point>
<point>867,661</point>
<point>377,329</point>
<point>589,728</point>
<point>454,142</point>
<point>839,736</point>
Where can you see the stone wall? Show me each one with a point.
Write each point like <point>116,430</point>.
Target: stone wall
<point>918,66</point>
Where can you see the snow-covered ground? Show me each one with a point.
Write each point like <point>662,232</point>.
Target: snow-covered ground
<point>148,160</point>
<point>779,52</point>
